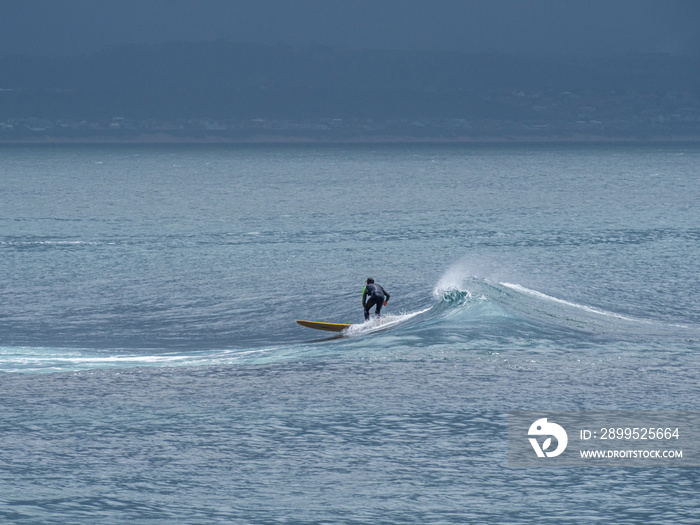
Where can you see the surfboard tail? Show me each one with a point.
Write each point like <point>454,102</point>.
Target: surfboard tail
<point>328,327</point>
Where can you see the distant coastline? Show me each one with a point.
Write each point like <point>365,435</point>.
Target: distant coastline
<point>219,92</point>
<point>165,139</point>
<point>120,130</point>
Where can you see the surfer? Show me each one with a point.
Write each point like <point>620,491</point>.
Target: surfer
<point>373,294</point>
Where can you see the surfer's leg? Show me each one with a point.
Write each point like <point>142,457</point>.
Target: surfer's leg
<point>369,304</point>
<point>377,300</point>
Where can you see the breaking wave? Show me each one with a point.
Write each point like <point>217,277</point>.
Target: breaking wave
<point>464,310</point>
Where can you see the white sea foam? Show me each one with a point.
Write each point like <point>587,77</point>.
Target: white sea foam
<point>382,323</point>
<point>26,359</point>
<point>597,311</point>
<point>452,279</point>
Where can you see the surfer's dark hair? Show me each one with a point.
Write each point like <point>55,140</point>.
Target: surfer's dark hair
<point>369,280</point>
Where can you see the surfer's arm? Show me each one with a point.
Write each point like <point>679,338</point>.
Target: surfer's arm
<point>386,296</point>
<point>364,297</point>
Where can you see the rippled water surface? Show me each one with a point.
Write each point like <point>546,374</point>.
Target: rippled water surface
<point>152,369</point>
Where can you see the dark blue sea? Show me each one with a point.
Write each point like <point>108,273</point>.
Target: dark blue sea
<point>152,370</point>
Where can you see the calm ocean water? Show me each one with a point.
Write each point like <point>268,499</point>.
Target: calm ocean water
<point>151,369</point>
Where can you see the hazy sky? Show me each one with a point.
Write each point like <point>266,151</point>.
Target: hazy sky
<point>531,27</point>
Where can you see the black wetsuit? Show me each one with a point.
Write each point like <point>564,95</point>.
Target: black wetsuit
<point>372,295</point>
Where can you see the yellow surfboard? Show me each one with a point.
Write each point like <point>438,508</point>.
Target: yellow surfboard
<point>329,327</point>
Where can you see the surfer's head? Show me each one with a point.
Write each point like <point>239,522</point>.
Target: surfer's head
<point>370,280</point>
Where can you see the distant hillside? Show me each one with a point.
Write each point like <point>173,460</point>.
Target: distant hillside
<point>220,80</point>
